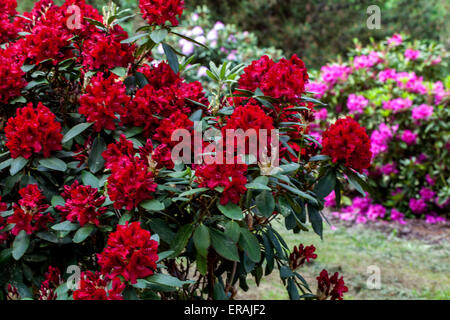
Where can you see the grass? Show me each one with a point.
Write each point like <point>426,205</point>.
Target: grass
<point>410,269</point>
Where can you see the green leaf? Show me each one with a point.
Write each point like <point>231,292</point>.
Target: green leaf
<point>20,245</point>
<point>134,38</point>
<point>193,191</point>
<point>96,161</point>
<point>171,58</point>
<point>232,231</point>
<point>6,163</point>
<point>231,210</point>
<point>89,179</point>
<point>265,203</point>
<point>320,157</point>
<point>159,35</point>
<point>315,219</point>
<point>181,239</point>
<point>125,218</point>
<point>83,233</point>
<point>202,264</point>
<point>326,184</point>
<point>202,239</point>
<point>219,292</point>
<point>250,244</point>
<point>298,192</point>
<point>166,280</point>
<point>65,226</point>
<point>163,255</point>
<point>57,201</point>
<point>285,272</point>
<point>152,205</point>
<point>119,71</point>
<point>17,164</point>
<point>224,246</point>
<point>53,164</point>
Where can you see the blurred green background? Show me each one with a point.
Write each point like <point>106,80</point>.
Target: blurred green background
<point>319,30</point>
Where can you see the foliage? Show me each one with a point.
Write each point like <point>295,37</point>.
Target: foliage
<point>399,89</point>
<point>88,180</point>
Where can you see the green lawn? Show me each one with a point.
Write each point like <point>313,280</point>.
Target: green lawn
<point>410,269</point>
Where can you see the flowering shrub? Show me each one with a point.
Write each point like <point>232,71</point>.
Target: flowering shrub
<point>94,205</point>
<point>397,90</point>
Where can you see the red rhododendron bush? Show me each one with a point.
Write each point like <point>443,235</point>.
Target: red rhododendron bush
<point>121,180</point>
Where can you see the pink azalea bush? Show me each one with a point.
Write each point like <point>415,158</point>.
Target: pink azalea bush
<point>399,89</point>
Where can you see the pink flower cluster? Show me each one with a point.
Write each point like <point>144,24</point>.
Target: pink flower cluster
<point>356,104</point>
<point>398,104</point>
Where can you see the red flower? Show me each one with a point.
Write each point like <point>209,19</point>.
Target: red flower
<point>7,29</point>
<point>33,130</point>
<point>102,52</point>
<point>95,286</point>
<point>83,204</point>
<point>160,11</point>
<point>284,80</point>
<point>29,213</point>
<point>178,120</point>
<point>103,101</point>
<point>115,151</point>
<point>11,73</point>
<point>229,176</point>
<point>52,281</point>
<point>333,287</point>
<point>347,141</point>
<point>298,257</point>
<point>253,74</point>
<point>158,157</point>
<point>130,183</point>
<point>130,253</point>
<point>47,42</point>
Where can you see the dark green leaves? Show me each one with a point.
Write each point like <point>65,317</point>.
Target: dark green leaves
<point>223,245</point>
<point>315,219</point>
<point>65,226</point>
<point>231,210</point>
<point>152,205</point>
<point>20,245</point>
<point>159,35</point>
<point>83,233</point>
<point>326,184</point>
<point>53,164</point>
<point>171,57</point>
<point>17,164</point>
<point>250,244</point>
<point>75,131</point>
<point>181,239</point>
<point>265,203</point>
<point>96,161</point>
<point>202,239</point>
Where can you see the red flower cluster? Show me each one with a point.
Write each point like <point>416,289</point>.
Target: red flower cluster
<point>11,74</point>
<point>104,99</point>
<point>333,287</point>
<point>104,51</point>
<point>32,131</point>
<point>283,80</point>
<point>178,120</point>
<point>52,281</point>
<point>83,204</point>
<point>301,255</point>
<point>47,42</point>
<point>131,180</point>
<point>229,176</point>
<point>29,212</point>
<point>7,29</point>
<point>165,94</point>
<point>160,11</point>
<point>347,141</point>
<point>247,117</point>
<point>95,286</point>
<point>130,253</point>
